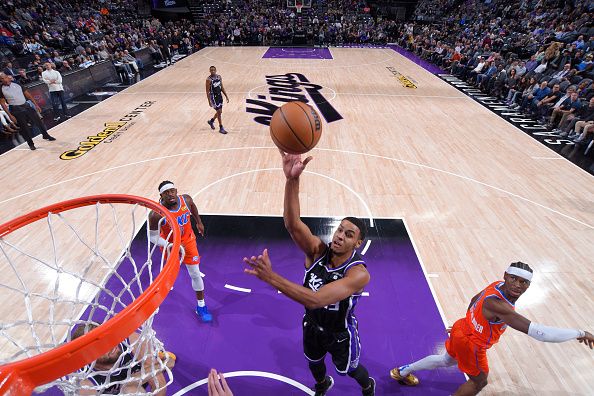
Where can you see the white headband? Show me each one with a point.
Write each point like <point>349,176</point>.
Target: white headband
<point>166,187</point>
<point>522,273</point>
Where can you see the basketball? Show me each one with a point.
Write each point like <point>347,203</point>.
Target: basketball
<point>295,127</point>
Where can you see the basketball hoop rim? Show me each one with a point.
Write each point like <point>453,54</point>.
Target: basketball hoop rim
<point>21,377</point>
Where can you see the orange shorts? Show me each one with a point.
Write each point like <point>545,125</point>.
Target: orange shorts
<point>471,358</point>
<point>192,257</point>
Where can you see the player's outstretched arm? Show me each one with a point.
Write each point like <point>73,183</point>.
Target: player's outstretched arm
<point>495,308</point>
<point>311,245</point>
<point>194,211</point>
<point>355,279</point>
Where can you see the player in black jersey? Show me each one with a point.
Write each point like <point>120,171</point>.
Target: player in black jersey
<point>120,370</point>
<point>214,94</point>
<point>335,275</point>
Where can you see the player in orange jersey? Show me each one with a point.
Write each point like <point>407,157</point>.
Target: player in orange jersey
<point>183,208</point>
<point>487,317</point>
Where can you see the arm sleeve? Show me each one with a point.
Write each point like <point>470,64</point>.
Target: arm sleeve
<point>156,239</point>
<point>552,334</point>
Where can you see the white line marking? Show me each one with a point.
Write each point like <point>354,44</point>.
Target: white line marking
<point>298,50</point>
<point>320,149</point>
<point>262,374</point>
<point>334,92</point>
<point>548,158</point>
<point>412,240</point>
<point>367,244</point>
<point>365,294</point>
<point>391,55</point>
<point>241,289</point>
<point>432,276</point>
<point>280,169</point>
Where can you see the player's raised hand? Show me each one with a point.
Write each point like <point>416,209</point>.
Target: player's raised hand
<point>587,339</point>
<point>293,166</point>
<point>259,266</point>
<point>216,387</point>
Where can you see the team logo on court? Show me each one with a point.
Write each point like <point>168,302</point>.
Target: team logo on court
<point>111,131</point>
<point>283,88</point>
<point>405,81</point>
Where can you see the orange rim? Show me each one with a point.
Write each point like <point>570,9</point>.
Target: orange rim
<point>22,376</point>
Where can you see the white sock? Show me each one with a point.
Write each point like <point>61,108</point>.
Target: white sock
<point>428,363</point>
<point>201,303</point>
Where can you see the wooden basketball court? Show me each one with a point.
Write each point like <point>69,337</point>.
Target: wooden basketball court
<point>475,192</point>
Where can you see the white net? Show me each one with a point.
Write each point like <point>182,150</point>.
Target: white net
<point>67,272</point>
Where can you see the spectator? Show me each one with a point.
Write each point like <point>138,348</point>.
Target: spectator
<point>545,105</point>
<point>567,108</point>
<point>585,123</point>
<point>9,70</point>
<point>22,78</point>
<point>53,79</point>
<point>20,112</point>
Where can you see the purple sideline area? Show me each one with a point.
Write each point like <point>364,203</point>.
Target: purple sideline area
<point>261,330</point>
<point>324,53</point>
<point>297,53</point>
<point>430,67</point>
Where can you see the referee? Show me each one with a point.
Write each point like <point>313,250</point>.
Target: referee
<point>20,112</point>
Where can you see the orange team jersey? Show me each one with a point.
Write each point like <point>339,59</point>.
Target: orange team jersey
<point>188,238</point>
<point>484,332</point>
<point>471,336</point>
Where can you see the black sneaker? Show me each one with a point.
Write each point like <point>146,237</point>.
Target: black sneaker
<point>370,391</point>
<point>32,147</point>
<point>49,137</point>
<point>223,131</point>
<point>323,388</point>
<point>211,123</point>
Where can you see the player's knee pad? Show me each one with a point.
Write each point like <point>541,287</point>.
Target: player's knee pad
<point>197,282</point>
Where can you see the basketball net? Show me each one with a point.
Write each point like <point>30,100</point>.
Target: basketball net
<point>299,6</point>
<point>69,267</point>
